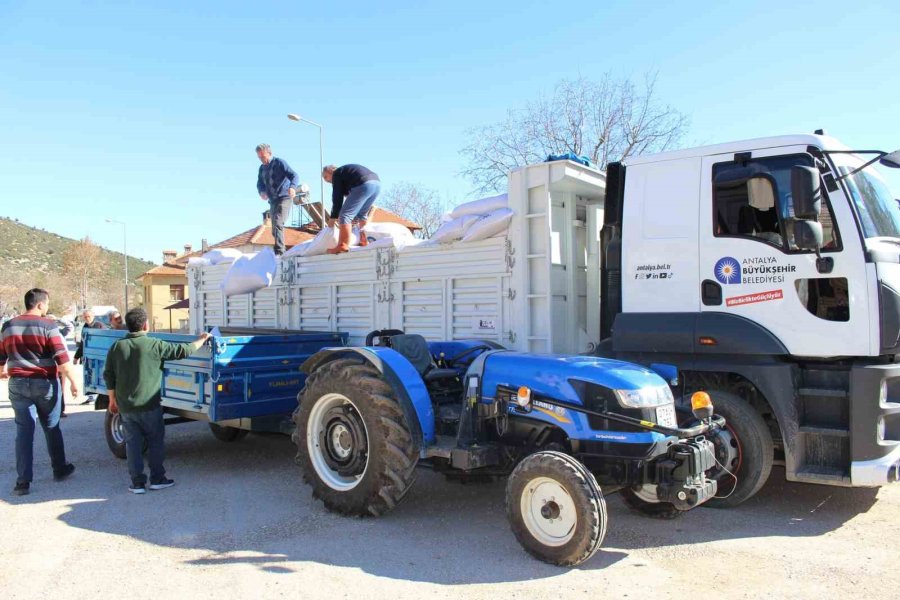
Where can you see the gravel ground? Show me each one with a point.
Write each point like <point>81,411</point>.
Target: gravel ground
<point>240,523</point>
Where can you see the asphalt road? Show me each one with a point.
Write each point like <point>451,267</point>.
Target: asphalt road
<point>240,523</point>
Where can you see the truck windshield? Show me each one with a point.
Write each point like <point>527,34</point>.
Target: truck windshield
<point>876,205</point>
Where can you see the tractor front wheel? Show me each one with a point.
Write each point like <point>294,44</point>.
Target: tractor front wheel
<point>556,509</point>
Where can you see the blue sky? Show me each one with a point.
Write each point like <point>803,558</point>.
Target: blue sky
<point>149,112</point>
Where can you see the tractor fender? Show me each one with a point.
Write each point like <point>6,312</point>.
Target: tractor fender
<point>402,377</point>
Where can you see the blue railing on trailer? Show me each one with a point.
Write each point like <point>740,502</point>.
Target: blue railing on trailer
<point>232,377</point>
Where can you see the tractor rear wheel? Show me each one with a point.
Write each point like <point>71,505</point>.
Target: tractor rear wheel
<point>354,445</point>
<point>556,509</point>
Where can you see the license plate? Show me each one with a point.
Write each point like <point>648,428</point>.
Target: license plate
<point>665,416</point>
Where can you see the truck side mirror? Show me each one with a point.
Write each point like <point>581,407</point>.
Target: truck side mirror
<point>891,160</point>
<point>807,196</point>
<point>808,235</point>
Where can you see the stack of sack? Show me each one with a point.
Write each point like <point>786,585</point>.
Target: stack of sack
<point>386,235</point>
<point>476,220</point>
<point>216,257</point>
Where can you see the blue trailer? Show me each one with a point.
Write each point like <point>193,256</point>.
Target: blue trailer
<point>239,381</point>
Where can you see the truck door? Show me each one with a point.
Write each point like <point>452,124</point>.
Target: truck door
<point>750,266</point>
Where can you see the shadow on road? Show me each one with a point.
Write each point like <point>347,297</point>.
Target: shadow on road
<point>245,503</point>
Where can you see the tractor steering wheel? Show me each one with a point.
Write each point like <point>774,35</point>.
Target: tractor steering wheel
<point>454,359</point>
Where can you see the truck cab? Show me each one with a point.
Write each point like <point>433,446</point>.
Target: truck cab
<point>768,270</point>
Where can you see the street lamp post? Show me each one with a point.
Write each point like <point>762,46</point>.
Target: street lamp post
<point>298,118</point>
<point>125,252</point>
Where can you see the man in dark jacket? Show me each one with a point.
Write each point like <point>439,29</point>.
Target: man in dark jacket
<point>277,183</point>
<point>133,376</point>
<point>354,190</point>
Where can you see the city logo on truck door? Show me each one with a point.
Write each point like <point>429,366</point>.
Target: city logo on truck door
<point>753,269</point>
<point>727,270</point>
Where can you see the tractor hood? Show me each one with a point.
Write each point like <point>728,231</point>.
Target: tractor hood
<point>550,375</point>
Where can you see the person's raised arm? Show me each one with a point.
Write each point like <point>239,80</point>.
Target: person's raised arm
<point>173,351</point>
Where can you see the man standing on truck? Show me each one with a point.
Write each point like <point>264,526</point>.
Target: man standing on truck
<point>277,183</point>
<point>133,377</point>
<point>354,190</point>
<point>32,356</point>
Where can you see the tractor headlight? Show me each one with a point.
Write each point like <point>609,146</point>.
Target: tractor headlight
<point>645,397</point>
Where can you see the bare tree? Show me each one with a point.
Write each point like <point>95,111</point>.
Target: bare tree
<point>86,268</point>
<point>605,120</point>
<point>416,203</point>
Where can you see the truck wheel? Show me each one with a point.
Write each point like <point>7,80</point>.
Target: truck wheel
<point>115,434</point>
<point>555,508</point>
<point>353,442</point>
<point>744,447</point>
<point>640,502</point>
<point>223,433</point>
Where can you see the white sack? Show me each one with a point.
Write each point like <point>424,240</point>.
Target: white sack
<point>198,261</point>
<point>246,275</point>
<point>454,229</point>
<point>480,207</point>
<point>298,250</point>
<point>377,231</point>
<point>222,255</point>
<point>495,223</point>
<point>388,242</point>
<point>325,241</point>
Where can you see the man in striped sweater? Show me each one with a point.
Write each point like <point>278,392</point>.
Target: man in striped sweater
<point>33,355</point>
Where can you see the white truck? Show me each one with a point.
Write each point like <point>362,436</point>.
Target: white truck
<point>765,270</point>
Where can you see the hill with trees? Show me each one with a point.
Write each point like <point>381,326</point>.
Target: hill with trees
<point>73,271</point>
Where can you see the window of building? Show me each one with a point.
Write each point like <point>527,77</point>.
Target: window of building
<point>752,199</point>
<point>176,293</point>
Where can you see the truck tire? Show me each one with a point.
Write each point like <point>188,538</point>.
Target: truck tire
<point>556,509</point>
<point>223,433</point>
<point>115,434</point>
<point>745,447</point>
<point>655,510</point>
<point>354,445</point>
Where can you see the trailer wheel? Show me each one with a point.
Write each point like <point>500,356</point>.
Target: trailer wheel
<point>638,501</point>
<point>223,433</point>
<point>115,434</point>
<point>744,447</point>
<point>556,509</point>
<point>354,445</point>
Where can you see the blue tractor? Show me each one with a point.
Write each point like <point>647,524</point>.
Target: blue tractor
<point>563,429</point>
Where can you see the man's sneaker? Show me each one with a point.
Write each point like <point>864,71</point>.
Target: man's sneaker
<point>137,488</point>
<point>22,488</point>
<point>60,474</point>
<point>162,484</point>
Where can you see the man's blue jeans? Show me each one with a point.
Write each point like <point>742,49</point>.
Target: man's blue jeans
<point>359,202</point>
<point>36,400</point>
<point>140,427</point>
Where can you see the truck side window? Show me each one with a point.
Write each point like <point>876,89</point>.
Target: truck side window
<point>752,199</point>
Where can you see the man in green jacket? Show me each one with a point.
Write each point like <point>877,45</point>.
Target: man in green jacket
<point>133,377</point>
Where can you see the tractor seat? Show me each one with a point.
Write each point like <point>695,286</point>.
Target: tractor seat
<point>415,349</point>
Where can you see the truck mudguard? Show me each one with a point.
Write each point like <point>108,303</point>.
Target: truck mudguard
<point>400,374</point>
<point>681,332</point>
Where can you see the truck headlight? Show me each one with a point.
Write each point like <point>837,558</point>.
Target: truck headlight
<point>645,397</point>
